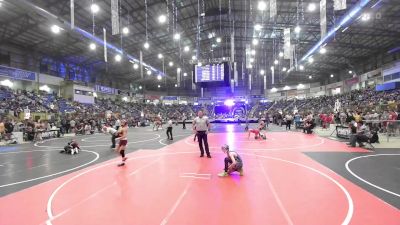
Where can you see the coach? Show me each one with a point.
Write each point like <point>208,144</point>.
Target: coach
<point>201,125</point>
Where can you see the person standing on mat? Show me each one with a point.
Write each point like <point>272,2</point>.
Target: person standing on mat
<point>113,132</point>
<point>169,130</point>
<point>184,121</point>
<point>201,125</point>
<point>123,141</point>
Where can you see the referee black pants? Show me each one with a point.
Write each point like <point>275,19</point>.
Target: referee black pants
<point>169,133</point>
<point>202,136</point>
<point>113,136</point>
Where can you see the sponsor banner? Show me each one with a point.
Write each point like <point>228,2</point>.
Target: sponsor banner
<point>152,97</point>
<point>104,89</point>
<point>170,98</point>
<point>256,96</point>
<point>17,74</point>
<point>352,81</point>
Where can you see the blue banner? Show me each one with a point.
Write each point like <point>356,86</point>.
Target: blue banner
<point>257,96</point>
<point>104,89</point>
<point>17,74</point>
<point>170,98</point>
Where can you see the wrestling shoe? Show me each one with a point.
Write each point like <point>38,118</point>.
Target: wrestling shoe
<point>223,174</point>
<point>121,164</point>
<point>124,159</point>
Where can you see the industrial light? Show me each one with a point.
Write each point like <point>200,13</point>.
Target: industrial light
<point>310,77</point>
<point>297,29</point>
<point>135,66</point>
<point>160,56</point>
<point>322,51</point>
<point>286,88</point>
<point>171,64</point>
<point>178,69</point>
<point>332,75</point>
<point>276,62</point>
<point>146,45</point>
<point>94,8</point>
<point>301,67</point>
<point>310,60</point>
<point>255,41</point>
<point>6,83</point>
<point>125,30</point>
<point>262,72</point>
<point>272,68</point>
<point>162,19</point>
<point>251,60</point>
<point>117,58</point>
<point>159,77</point>
<point>194,57</point>
<point>177,36</point>
<point>250,66</point>
<point>365,17</point>
<point>218,39</point>
<point>210,35</point>
<point>257,27</point>
<point>281,54</point>
<point>176,85</point>
<point>284,69</point>
<point>159,86</point>
<point>185,74</point>
<point>213,45</point>
<point>140,87</point>
<point>350,72</point>
<point>300,86</point>
<point>55,29</point>
<point>261,5</point>
<point>148,72</point>
<point>92,46</point>
<point>253,52</point>
<point>199,64</point>
<point>223,58</point>
<point>186,48</point>
<point>311,7</point>
<point>274,90</point>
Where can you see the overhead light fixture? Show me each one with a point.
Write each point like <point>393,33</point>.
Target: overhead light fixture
<point>194,57</point>
<point>300,86</point>
<point>117,58</point>
<point>146,45</point>
<point>177,36</point>
<point>178,70</point>
<point>171,64</point>
<point>176,85</point>
<point>160,56</point>
<point>251,60</point>
<point>276,62</point>
<point>135,66</point>
<point>218,39</point>
<point>350,72</point>
<point>186,48</point>
<point>322,51</point>
<point>311,7</point>
<point>94,8</point>
<point>55,29</point>
<point>262,72</point>
<point>257,27</point>
<point>251,66</point>
<point>332,75</point>
<point>272,68</point>
<point>148,72</point>
<point>92,46</point>
<point>159,86</point>
<point>159,77</point>
<point>284,69</point>
<point>286,88</point>
<point>261,5</point>
<point>345,29</point>
<point>310,60</point>
<point>255,41</point>
<point>301,67</point>
<point>140,87</point>
<point>185,74</point>
<point>310,77</point>
<point>125,30</point>
<point>162,19</point>
<point>297,29</point>
<point>253,52</point>
<point>274,89</point>
<point>199,64</point>
<point>365,17</point>
<point>281,54</point>
<point>223,58</point>
<point>210,35</point>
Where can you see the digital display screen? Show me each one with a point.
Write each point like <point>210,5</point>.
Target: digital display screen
<point>209,73</point>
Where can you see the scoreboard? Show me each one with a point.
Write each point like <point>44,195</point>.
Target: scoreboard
<point>209,73</point>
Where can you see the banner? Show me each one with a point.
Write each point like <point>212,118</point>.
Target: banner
<point>104,89</point>
<point>272,75</point>
<point>339,4</point>
<point>256,96</point>
<point>232,59</point>
<point>105,44</point>
<point>323,17</point>
<point>265,82</point>
<point>114,17</point>
<point>170,98</point>
<point>250,82</point>
<point>178,77</point>
<point>204,99</point>
<point>287,49</point>
<point>72,5</point>
<point>352,81</point>
<point>17,74</point>
<point>272,8</point>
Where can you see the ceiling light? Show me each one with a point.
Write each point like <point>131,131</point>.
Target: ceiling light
<point>311,7</point>
<point>218,39</point>
<point>350,72</point>
<point>92,46</point>
<point>297,29</point>
<point>186,48</point>
<point>301,67</point>
<point>185,74</point>
<point>194,57</point>
<point>310,60</point>
<point>281,54</point>
<point>286,88</point>
<point>272,68</point>
<point>257,27</point>
<point>300,86</point>
<point>171,64</point>
<point>255,41</point>
<point>160,56</point>
<point>253,52</point>
<point>332,75</point>
<point>213,45</point>
<point>94,8</point>
<point>177,36</point>
<point>276,62</point>
<point>135,66</point>
<point>176,85</point>
<point>125,30</point>
<point>159,86</point>
<point>117,58</point>
<point>250,66</point>
<point>210,35</point>
<point>310,77</point>
<point>251,60</point>
<point>178,70</point>
<point>261,5</point>
<point>162,19</point>
<point>148,72</point>
<point>55,29</point>
<point>284,69</point>
<point>146,45</point>
<point>140,87</point>
<point>262,72</point>
<point>322,51</point>
<point>365,17</point>
<point>223,58</point>
<point>274,90</point>
<point>199,64</point>
<point>159,77</point>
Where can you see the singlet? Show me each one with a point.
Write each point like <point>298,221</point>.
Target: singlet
<point>237,157</point>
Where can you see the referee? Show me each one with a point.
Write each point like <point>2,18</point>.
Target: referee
<point>201,125</point>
